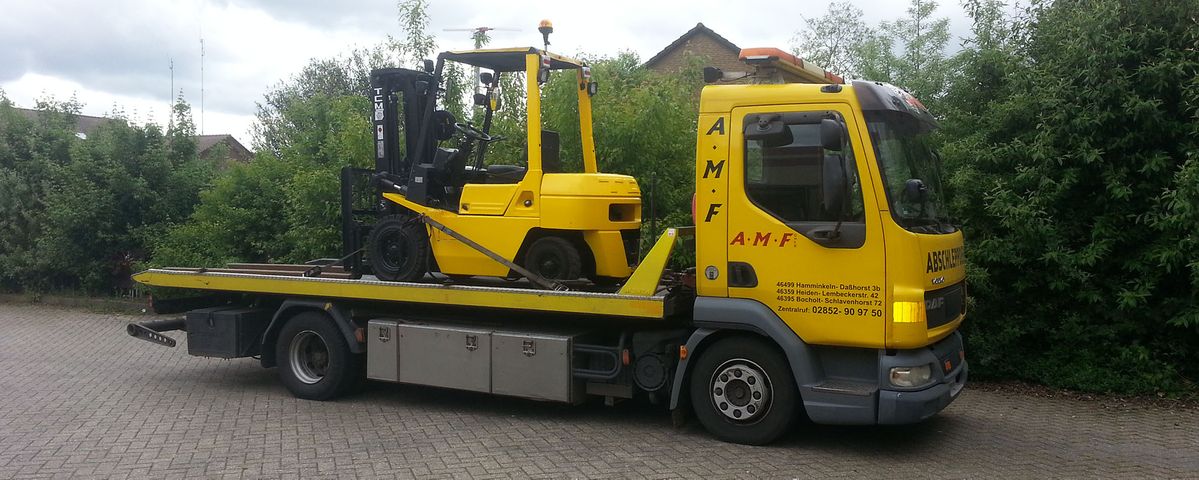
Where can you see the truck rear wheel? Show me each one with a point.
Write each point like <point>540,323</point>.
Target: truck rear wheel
<point>314,361</point>
<point>743,392</point>
<point>398,249</point>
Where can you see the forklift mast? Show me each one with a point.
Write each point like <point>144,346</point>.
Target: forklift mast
<point>396,92</point>
<point>399,96</point>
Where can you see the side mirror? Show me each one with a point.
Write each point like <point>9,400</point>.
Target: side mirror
<point>832,135</point>
<point>592,89</point>
<point>769,129</point>
<point>712,74</point>
<point>427,65</point>
<point>486,78</point>
<point>481,100</point>
<point>835,183</point>
<point>915,191</point>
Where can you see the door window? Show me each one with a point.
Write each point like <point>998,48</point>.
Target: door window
<point>784,175</point>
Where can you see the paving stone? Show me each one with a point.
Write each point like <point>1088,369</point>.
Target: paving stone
<point>80,398</point>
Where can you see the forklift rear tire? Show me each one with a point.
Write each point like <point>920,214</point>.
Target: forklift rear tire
<point>315,363</point>
<point>554,258</point>
<point>398,249</point>
<point>742,391</point>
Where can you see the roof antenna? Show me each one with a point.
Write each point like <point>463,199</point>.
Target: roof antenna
<point>479,34</point>
<point>201,85</point>
<point>201,21</point>
<point>546,28</point>
<point>171,98</point>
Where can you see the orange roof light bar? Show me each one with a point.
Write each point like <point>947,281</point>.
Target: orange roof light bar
<point>773,57</point>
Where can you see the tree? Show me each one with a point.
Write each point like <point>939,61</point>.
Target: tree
<point>28,151</point>
<point>347,75</point>
<point>108,197</point>
<point>909,52</point>
<point>75,211</point>
<point>834,40</point>
<point>1075,177</point>
<point>921,67</point>
<point>418,43</point>
<point>284,205</point>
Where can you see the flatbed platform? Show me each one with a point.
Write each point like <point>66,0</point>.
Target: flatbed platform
<point>288,280</point>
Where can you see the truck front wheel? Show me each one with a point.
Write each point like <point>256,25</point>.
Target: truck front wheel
<point>743,392</point>
<point>315,363</point>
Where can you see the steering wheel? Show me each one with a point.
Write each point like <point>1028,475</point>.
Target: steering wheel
<point>471,132</point>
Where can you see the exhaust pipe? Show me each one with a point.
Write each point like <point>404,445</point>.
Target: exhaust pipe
<point>149,330</point>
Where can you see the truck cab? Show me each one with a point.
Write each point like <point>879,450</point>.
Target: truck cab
<point>820,221</point>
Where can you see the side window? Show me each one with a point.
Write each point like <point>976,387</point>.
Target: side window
<point>784,174</point>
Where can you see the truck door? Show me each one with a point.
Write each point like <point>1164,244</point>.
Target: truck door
<point>814,257</point>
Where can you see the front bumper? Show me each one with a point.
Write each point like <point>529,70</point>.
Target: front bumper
<point>873,401</point>
<point>897,408</point>
<point>902,405</point>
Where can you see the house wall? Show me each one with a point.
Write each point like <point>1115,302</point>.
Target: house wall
<point>704,46</point>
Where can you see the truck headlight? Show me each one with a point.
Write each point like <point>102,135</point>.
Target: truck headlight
<point>908,377</point>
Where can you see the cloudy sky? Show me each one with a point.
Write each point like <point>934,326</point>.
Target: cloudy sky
<point>116,54</point>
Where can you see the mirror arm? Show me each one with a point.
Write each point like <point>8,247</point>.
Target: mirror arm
<point>844,201</point>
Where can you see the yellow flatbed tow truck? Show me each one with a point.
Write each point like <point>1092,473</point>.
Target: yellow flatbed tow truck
<point>827,281</point>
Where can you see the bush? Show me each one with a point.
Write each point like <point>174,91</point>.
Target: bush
<point>1071,139</point>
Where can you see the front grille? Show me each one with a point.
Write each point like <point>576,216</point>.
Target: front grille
<point>944,305</point>
<point>632,245</point>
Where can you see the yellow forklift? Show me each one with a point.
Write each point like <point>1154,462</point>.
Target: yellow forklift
<point>448,209</point>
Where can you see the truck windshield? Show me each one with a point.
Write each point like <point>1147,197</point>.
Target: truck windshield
<point>911,171</point>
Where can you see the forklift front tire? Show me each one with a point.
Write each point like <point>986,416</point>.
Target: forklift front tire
<point>398,249</point>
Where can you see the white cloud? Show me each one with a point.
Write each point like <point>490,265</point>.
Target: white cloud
<point>119,51</point>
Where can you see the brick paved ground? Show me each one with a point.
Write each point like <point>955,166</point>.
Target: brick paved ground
<point>80,398</point>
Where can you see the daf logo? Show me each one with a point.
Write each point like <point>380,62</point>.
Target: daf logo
<point>939,280</point>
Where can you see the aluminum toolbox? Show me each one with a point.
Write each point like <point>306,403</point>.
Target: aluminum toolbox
<point>533,365</point>
<point>445,356</point>
<point>382,350</point>
<point>225,332</point>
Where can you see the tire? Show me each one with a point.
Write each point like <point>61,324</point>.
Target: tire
<point>751,380</point>
<point>314,361</point>
<point>554,258</point>
<point>398,249</point>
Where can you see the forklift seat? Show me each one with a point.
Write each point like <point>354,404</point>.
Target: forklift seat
<point>551,153</point>
<point>505,173</point>
<point>551,161</point>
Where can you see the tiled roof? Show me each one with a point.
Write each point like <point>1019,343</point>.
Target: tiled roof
<point>85,124</point>
<point>698,29</point>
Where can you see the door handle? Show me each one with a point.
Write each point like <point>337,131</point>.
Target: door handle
<point>824,235</point>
